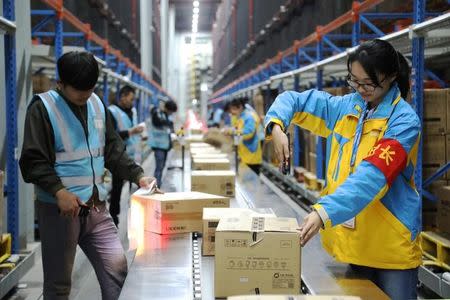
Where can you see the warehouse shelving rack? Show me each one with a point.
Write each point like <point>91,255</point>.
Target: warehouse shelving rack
<point>114,67</point>
<point>317,59</point>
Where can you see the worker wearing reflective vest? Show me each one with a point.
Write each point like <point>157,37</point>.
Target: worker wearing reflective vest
<point>125,122</point>
<point>370,210</point>
<point>125,118</point>
<point>247,124</point>
<point>69,139</point>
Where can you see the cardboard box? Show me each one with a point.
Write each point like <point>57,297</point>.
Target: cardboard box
<point>292,297</point>
<point>214,182</point>
<point>176,212</point>
<point>205,150</point>
<point>212,216</point>
<point>41,83</point>
<point>311,181</point>
<point>312,143</point>
<point>257,255</point>
<point>430,169</point>
<point>195,131</point>
<point>429,220</point>
<point>434,151</point>
<point>211,164</point>
<point>200,145</point>
<point>447,146</point>
<point>435,107</point>
<point>209,155</point>
<point>443,211</point>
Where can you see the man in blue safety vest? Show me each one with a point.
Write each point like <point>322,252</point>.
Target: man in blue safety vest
<point>125,122</point>
<point>159,139</point>
<point>69,139</point>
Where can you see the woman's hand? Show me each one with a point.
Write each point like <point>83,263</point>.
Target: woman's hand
<point>310,227</point>
<point>281,144</point>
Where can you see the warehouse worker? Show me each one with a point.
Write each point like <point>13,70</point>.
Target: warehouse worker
<point>159,139</point>
<point>69,139</point>
<point>247,124</point>
<point>370,209</point>
<point>125,123</point>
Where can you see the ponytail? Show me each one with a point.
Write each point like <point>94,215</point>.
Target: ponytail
<point>403,75</point>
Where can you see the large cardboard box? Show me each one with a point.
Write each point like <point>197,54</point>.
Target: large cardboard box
<point>435,107</point>
<point>434,151</point>
<point>257,255</point>
<point>443,211</point>
<point>212,216</point>
<point>292,297</point>
<point>41,83</point>
<point>211,164</point>
<point>219,182</point>
<point>176,212</point>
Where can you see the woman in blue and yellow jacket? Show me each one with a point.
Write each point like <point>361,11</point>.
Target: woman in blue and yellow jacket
<point>247,125</point>
<point>370,210</point>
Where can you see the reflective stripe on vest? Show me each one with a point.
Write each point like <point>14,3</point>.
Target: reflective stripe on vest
<point>75,155</point>
<point>80,180</point>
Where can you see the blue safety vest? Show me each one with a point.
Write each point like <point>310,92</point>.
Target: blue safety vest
<point>124,123</point>
<point>79,159</point>
<point>159,137</point>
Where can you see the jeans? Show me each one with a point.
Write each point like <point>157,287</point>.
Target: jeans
<point>160,160</point>
<point>97,237</point>
<point>397,284</point>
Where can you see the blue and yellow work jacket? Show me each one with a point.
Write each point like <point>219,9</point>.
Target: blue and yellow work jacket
<point>370,205</point>
<point>249,148</point>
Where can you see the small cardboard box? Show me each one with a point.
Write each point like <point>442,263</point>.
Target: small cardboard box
<point>205,150</point>
<point>435,107</point>
<point>292,297</point>
<point>443,211</point>
<point>213,182</point>
<point>209,155</point>
<point>176,212</point>
<point>212,216</point>
<point>434,149</point>
<point>211,164</point>
<point>257,255</point>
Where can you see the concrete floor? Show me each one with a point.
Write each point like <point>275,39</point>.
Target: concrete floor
<point>84,282</point>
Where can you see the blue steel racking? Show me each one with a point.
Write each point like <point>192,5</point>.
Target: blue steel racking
<point>11,125</point>
<point>311,62</point>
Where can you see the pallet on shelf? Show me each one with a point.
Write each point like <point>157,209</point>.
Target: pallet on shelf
<point>436,247</point>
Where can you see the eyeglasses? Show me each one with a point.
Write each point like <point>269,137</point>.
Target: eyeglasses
<point>368,87</point>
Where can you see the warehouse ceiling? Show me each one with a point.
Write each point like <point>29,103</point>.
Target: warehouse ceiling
<point>183,11</point>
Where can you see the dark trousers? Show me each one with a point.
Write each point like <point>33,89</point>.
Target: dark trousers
<point>397,284</point>
<point>97,237</point>
<point>160,160</point>
<point>255,168</point>
<point>116,192</point>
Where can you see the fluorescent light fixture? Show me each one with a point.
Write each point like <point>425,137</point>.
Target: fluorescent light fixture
<point>204,87</point>
<point>196,3</point>
<point>196,10</point>
<point>194,29</point>
<point>194,17</point>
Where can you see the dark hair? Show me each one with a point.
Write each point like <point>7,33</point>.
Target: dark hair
<point>171,106</point>
<point>226,107</point>
<point>237,102</point>
<point>78,69</point>
<point>380,57</point>
<point>125,91</point>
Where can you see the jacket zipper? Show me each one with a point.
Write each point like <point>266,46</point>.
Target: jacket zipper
<point>86,129</point>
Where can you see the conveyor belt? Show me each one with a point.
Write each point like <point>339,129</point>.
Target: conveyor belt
<point>164,265</point>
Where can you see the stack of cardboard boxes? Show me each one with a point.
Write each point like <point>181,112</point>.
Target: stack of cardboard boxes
<point>1,204</point>
<point>436,151</point>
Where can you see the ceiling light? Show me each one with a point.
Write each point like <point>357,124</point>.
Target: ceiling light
<point>195,17</point>
<point>194,30</point>
<point>196,3</point>
<point>196,10</point>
